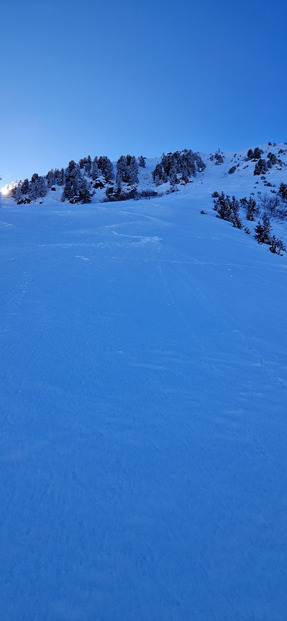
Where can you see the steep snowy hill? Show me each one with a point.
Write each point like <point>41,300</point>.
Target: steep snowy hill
<point>143,411</point>
<point>259,169</point>
<point>256,177</point>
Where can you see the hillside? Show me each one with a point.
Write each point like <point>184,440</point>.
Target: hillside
<point>143,397</point>
<point>232,172</point>
<point>255,177</point>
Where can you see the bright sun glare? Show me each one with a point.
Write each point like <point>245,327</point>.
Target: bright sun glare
<point>5,190</point>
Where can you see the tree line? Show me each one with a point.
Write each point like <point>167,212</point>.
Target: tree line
<point>80,180</point>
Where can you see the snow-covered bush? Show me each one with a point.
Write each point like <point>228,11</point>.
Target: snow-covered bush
<point>277,246</point>
<point>219,159</point>
<point>147,193</point>
<point>274,206</point>
<point>228,209</point>
<point>283,191</point>
<point>251,208</point>
<point>254,155</point>
<point>263,236</point>
<point>263,230</point>
<point>118,194</point>
<point>261,167</point>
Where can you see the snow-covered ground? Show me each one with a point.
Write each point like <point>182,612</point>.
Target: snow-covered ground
<point>242,182</point>
<point>143,433</point>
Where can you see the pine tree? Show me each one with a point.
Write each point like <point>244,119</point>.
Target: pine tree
<point>59,176</point>
<point>251,209</point>
<point>283,191</point>
<point>95,173</point>
<point>18,195</point>
<point>50,178</point>
<point>127,170</point>
<point>173,175</point>
<point>228,209</point>
<point>159,176</point>
<point>72,179</point>
<point>178,166</point>
<point>219,158</point>
<point>106,167</point>
<point>263,230</point>
<point>41,187</point>
<point>25,186</point>
<point>121,170</point>
<point>235,213</point>
<point>84,193</point>
<point>277,246</point>
<point>88,165</point>
<point>37,187</point>
<point>132,169</point>
<point>261,167</point>
<point>272,159</point>
<point>257,153</point>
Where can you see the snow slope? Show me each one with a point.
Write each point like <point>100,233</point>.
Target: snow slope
<point>143,415</point>
<point>215,177</point>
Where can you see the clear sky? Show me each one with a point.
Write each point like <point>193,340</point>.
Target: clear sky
<point>110,77</point>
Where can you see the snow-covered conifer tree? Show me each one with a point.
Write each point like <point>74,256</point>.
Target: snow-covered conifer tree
<point>106,167</point>
<point>84,193</point>
<point>127,170</point>
<point>88,165</point>
<point>263,230</point>
<point>37,187</point>
<point>50,178</point>
<point>25,187</point>
<point>95,169</point>
<point>142,161</point>
<point>72,179</point>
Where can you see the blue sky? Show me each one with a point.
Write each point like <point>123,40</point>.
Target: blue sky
<point>142,77</point>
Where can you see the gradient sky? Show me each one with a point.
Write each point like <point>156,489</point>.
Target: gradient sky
<point>112,77</point>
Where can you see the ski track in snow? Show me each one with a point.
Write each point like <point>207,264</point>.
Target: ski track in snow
<point>143,416</point>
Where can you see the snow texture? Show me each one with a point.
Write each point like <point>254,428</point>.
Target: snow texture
<point>143,414</point>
